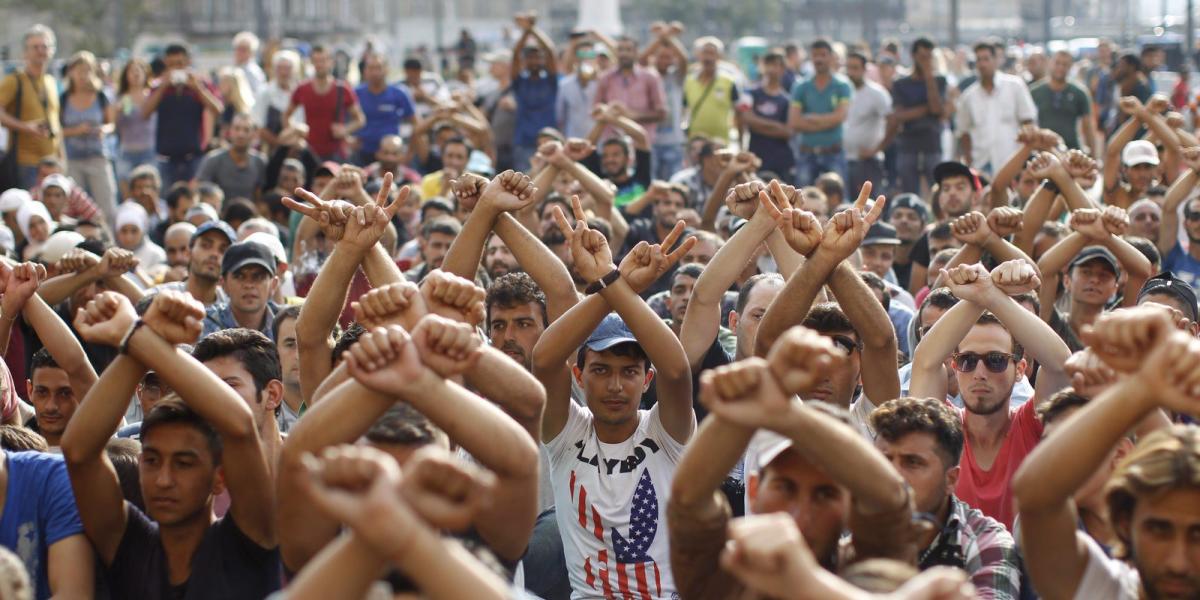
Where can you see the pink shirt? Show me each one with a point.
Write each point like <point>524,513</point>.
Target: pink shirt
<point>640,91</point>
<point>990,490</point>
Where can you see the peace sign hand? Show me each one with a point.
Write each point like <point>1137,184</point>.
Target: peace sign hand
<point>846,230</point>
<point>645,263</point>
<point>593,258</point>
<point>799,227</point>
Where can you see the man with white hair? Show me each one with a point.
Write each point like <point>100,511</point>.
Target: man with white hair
<point>272,100</point>
<point>708,94</point>
<point>35,123</point>
<point>245,49</point>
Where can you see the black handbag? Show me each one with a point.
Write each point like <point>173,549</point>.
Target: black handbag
<point>10,172</point>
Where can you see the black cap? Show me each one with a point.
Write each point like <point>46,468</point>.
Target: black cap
<point>953,168</point>
<point>1168,284</point>
<point>1097,253</point>
<point>881,234</point>
<point>910,201</point>
<point>244,254</point>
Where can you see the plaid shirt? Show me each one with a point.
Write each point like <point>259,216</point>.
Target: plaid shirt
<point>79,204</point>
<point>981,546</point>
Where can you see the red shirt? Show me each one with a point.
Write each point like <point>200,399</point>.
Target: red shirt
<point>990,491</point>
<point>319,112</point>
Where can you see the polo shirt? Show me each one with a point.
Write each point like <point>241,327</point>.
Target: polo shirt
<point>1060,111</point>
<point>815,100</point>
<point>640,90</point>
<point>384,112</point>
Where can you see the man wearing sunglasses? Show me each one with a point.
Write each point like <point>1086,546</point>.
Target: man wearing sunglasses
<point>1185,264</point>
<point>986,335</point>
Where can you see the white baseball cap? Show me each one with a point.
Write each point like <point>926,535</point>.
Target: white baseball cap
<point>1139,152</point>
<point>272,243</point>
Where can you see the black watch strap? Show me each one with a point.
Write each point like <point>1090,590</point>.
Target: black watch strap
<point>1050,185</point>
<point>603,282</point>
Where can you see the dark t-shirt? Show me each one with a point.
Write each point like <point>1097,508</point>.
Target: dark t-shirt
<point>775,153</point>
<point>180,122</point>
<point>226,564</point>
<point>631,189</point>
<point>923,134</point>
<point>920,252</point>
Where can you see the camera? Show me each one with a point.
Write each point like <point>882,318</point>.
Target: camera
<point>178,77</point>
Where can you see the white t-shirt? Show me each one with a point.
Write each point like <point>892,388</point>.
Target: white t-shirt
<point>1106,577</point>
<point>612,502</point>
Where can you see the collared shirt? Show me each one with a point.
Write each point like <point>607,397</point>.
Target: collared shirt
<point>979,545</point>
<point>79,204</point>
<point>573,107</point>
<point>815,100</point>
<point>993,119</point>
<point>640,91</point>
<point>181,286</point>
<point>535,98</point>
<point>220,316</point>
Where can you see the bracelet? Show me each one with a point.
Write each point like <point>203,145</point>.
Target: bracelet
<point>124,347</point>
<point>603,282</point>
<point>1050,185</point>
<point>6,318</point>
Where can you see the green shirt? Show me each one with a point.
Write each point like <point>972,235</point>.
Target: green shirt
<point>813,100</point>
<point>1060,111</point>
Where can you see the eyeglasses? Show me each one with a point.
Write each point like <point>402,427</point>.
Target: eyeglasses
<point>996,362</point>
<point>845,343</point>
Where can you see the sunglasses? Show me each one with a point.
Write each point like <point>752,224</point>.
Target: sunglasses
<point>845,343</point>
<point>996,362</point>
<point>1191,216</point>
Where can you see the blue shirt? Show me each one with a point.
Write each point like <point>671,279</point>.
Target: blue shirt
<point>39,510</point>
<point>383,112</point>
<point>1179,262</point>
<point>815,101</point>
<point>900,316</point>
<point>535,98</point>
<point>220,316</point>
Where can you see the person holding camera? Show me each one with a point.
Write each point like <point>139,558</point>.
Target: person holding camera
<point>180,98</point>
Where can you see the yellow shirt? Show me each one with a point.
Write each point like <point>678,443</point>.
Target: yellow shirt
<point>714,116</point>
<point>431,186</point>
<point>30,148</point>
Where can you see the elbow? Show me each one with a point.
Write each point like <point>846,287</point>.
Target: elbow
<point>545,361</point>
<point>73,453</point>
<point>924,359</point>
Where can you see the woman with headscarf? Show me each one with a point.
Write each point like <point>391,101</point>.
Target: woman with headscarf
<point>33,219</point>
<point>132,222</point>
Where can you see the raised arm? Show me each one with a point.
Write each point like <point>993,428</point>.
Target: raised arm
<point>173,318</point>
<point>93,477</point>
<point>1131,106</point>
<point>1181,189</point>
<point>543,266</point>
<point>55,335</point>
<point>508,191</point>
<point>80,268</point>
<point>744,162</point>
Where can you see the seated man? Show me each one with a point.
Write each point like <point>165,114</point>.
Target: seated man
<point>815,468</point>
<point>923,440</point>
<point>1153,495</point>
<point>194,447</point>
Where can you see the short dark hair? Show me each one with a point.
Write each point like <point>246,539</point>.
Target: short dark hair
<point>693,270</point>
<point>413,63</point>
<point>556,198</point>
<point>941,231</point>
<point>238,210</point>
<point>1032,299</point>
<point>348,338</point>
<point>433,204</point>
<point>1059,404</point>
<point>249,347</point>
<point>875,282</point>
<point>42,359</point>
<point>14,438</point>
<point>821,43</point>
<point>620,141</point>
<point>743,296</point>
<point>828,317</point>
<point>178,192</point>
<point>402,424</point>
<point>989,45</point>
<point>897,418</point>
<point>172,410</point>
<point>173,49</point>
<point>921,42</point>
<point>1148,249</point>
<point>443,225</point>
<point>1132,60</point>
<point>515,289</point>
<point>860,56</point>
<point>460,140</point>
<point>774,56</point>
<point>285,313</point>
<point>988,318</point>
<point>123,454</point>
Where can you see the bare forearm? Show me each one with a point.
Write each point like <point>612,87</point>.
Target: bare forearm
<point>466,251</point>
<point>379,267</point>
<point>793,303</point>
<point>874,328</point>
<point>715,199</point>
<point>100,412</point>
<point>516,391</point>
<point>707,461</point>
<point>62,344</point>
<point>57,289</point>
<point>928,376</point>
<point>320,311</point>
<point>346,568</point>
<point>1035,217</point>
<point>541,264</point>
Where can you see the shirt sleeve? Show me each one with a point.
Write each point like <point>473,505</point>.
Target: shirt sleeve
<point>8,92</point>
<point>406,105</point>
<point>963,122</point>
<point>558,448</point>
<point>351,97</point>
<point>1026,110</point>
<point>58,503</point>
<point>207,166</point>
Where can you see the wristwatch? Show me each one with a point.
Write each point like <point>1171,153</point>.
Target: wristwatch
<point>1050,185</point>
<point>603,282</point>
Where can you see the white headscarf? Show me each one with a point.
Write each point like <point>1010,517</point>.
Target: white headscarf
<point>29,210</point>
<point>132,213</point>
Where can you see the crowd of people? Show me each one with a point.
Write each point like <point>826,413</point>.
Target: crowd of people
<point>618,320</point>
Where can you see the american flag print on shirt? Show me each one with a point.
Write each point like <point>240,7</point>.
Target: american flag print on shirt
<point>636,572</point>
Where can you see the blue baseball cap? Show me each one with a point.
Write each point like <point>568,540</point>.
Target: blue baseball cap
<point>612,331</point>
<point>220,226</point>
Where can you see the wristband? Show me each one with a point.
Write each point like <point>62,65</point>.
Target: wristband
<point>1050,185</point>
<point>603,282</point>
<point>124,347</point>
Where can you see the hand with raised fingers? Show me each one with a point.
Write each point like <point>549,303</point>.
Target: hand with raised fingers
<point>970,282</point>
<point>367,223</point>
<point>1088,221</point>
<point>384,359</point>
<point>1115,220</point>
<point>447,347</point>
<point>1046,166</point>
<point>845,231</point>
<point>176,317</point>
<point>800,228</point>
<point>329,214</point>
<point>1005,220</point>
<point>645,263</point>
<point>77,260</point>
<point>468,188</point>
<point>397,303</point>
<point>589,248</point>
<point>1016,277</point>
<point>453,297</point>
<point>742,199</point>
<point>445,491</point>
<point>508,191</point>
<point>768,554</point>
<point>22,284</point>
<point>745,393</point>
<point>360,486</point>
<point>801,358</point>
<point>106,319</point>
<point>1089,375</point>
<point>972,228</point>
